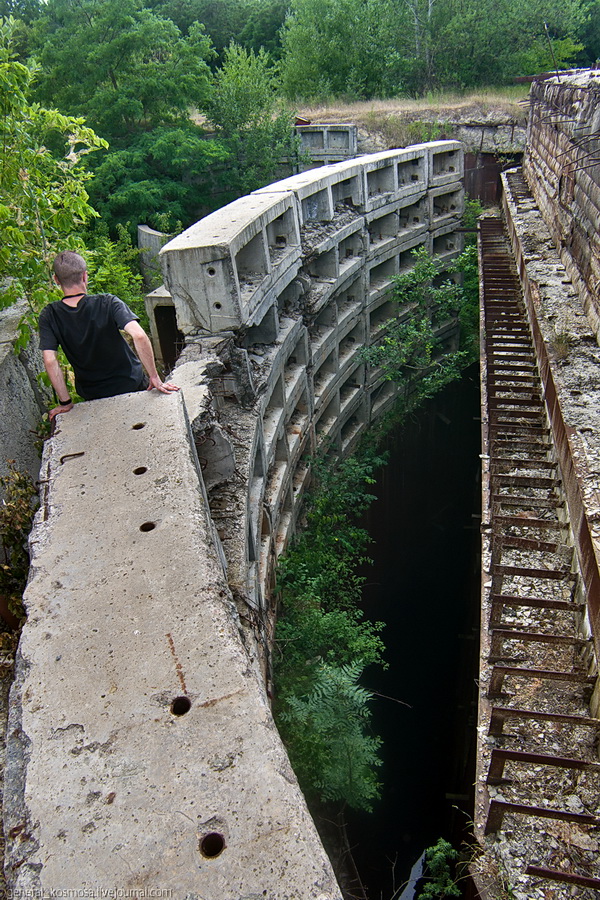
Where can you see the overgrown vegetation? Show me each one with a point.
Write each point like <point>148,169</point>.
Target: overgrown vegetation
<point>411,351</point>
<point>323,641</point>
<point>440,880</point>
<point>43,196</point>
<point>16,517</point>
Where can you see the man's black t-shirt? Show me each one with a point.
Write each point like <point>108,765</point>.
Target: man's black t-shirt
<point>89,334</point>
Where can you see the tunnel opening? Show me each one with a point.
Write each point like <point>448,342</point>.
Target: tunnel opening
<point>425,584</point>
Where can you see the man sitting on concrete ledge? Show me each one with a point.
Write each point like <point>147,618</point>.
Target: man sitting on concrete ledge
<point>88,328</point>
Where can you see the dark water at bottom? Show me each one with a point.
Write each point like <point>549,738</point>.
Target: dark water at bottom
<point>425,586</point>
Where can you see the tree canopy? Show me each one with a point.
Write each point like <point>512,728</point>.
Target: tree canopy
<point>43,196</point>
<point>121,65</point>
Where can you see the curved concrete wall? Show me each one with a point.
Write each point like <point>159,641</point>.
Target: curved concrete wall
<point>287,286</point>
<point>142,757</point>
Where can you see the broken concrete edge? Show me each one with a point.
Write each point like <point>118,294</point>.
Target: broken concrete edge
<point>270,843</point>
<point>23,399</point>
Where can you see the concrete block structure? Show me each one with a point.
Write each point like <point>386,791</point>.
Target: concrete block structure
<point>141,753</point>
<point>297,277</point>
<point>325,144</point>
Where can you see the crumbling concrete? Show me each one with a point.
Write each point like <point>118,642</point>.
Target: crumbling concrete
<point>561,167</point>
<point>142,754</point>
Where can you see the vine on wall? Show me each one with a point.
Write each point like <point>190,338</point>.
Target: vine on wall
<point>323,640</point>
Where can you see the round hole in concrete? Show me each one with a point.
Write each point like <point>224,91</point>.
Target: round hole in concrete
<point>148,526</point>
<point>217,305</point>
<point>180,706</point>
<point>138,425</point>
<point>140,470</point>
<point>212,845</point>
<point>211,271</point>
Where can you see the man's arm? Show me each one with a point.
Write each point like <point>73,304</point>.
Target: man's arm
<point>144,350</point>
<point>57,380</point>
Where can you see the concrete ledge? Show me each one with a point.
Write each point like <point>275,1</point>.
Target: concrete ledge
<point>141,751</point>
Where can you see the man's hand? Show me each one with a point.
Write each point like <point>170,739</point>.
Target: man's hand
<point>65,407</point>
<point>165,387</point>
<point>144,350</point>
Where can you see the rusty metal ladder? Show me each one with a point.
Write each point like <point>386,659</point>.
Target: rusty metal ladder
<point>536,594</point>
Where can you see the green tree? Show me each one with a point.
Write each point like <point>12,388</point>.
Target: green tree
<point>223,20</point>
<point>491,41</point>
<point>323,641</point>
<point>43,196</point>
<point>439,881</point>
<point>351,48</point>
<point>122,66</point>
<point>249,120</point>
<point>165,178</point>
<point>327,731</point>
<point>262,27</point>
<point>410,353</point>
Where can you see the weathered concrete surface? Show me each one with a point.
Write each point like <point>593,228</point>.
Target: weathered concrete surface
<point>106,787</point>
<point>21,397</point>
<point>561,168</point>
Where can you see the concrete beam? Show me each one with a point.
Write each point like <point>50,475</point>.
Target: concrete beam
<point>141,750</point>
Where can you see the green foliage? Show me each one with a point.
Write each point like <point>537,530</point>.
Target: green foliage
<point>468,264</point>
<point>472,213</point>
<point>440,882</point>
<point>323,642</point>
<point>133,69</point>
<point>491,41</point>
<point>43,196</point>
<point>16,517</point>
<point>350,48</point>
<point>250,122</point>
<point>369,48</point>
<point>331,749</point>
<point>251,23</point>
<point>409,352</point>
<point>164,177</point>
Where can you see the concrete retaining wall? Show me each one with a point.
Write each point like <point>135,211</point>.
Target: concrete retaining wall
<point>142,756</point>
<point>22,399</point>
<point>561,166</point>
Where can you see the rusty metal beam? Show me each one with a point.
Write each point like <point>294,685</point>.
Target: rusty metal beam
<point>499,808</point>
<point>500,714</point>
<point>566,877</point>
<point>500,757</point>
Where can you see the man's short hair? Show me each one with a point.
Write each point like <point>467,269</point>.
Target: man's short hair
<point>69,268</point>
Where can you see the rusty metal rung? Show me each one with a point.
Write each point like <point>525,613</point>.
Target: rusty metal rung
<point>524,572</point>
<point>527,522</point>
<point>500,757</point>
<point>500,714</point>
<point>500,672</point>
<point>498,809</point>
<point>585,881</point>
<point>527,502</point>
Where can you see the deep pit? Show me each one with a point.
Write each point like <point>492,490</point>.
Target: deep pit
<point>425,585</point>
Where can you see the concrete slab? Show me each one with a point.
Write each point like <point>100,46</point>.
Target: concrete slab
<point>142,755</point>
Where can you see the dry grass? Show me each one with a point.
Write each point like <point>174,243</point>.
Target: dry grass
<point>508,101</point>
